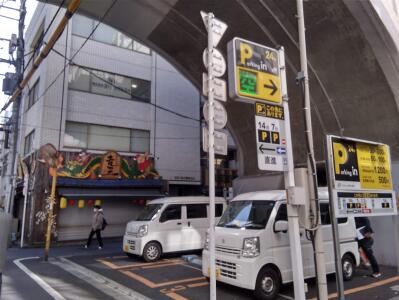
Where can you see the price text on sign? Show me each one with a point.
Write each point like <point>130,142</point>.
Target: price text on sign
<point>253,72</point>
<point>361,165</point>
<point>365,204</point>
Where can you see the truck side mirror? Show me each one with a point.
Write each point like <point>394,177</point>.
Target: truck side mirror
<point>280,226</point>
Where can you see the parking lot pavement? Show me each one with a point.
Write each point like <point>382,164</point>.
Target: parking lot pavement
<point>110,275</point>
<point>174,278</point>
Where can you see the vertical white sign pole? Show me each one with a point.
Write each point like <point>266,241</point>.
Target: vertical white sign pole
<point>211,158</point>
<point>289,180</point>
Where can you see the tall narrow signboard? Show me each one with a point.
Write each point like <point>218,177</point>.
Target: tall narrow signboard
<point>216,66</point>
<point>257,76</point>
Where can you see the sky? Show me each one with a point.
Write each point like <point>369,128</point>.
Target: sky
<point>7,27</point>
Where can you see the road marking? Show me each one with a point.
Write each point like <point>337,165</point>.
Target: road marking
<point>192,267</point>
<point>395,288</point>
<point>199,284</point>
<point>154,285</point>
<point>365,287</point>
<point>130,266</point>
<point>52,292</point>
<point>164,265</point>
<point>175,296</point>
<point>102,283</point>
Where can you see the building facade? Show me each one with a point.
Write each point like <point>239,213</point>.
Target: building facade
<point>108,104</point>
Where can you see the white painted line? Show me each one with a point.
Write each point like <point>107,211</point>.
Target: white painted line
<point>285,297</point>
<point>192,267</point>
<point>52,292</point>
<point>102,283</point>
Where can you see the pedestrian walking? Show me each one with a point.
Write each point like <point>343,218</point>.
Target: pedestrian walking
<point>97,224</point>
<point>365,240</point>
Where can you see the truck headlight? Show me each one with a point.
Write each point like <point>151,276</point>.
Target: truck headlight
<point>143,230</point>
<point>251,247</point>
<point>206,244</point>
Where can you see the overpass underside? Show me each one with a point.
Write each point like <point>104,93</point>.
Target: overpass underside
<point>353,63</point>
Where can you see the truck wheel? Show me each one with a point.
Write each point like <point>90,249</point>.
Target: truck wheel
<point>348,267</point>
<point>267,284</point>
<point>152,252</point>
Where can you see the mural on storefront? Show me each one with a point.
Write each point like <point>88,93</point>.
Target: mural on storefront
<point>108,166</point>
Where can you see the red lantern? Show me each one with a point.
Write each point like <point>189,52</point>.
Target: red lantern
<point>71,202</point>
<point>141,202</point>
<point>90,202</point>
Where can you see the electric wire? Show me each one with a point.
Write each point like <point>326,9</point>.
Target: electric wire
<point>40,41</point>
<point>70,62</point>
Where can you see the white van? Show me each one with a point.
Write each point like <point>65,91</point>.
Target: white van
<point>253,249</point>
<point>170,224</point>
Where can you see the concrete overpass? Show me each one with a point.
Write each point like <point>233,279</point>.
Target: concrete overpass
<point>353,60</point>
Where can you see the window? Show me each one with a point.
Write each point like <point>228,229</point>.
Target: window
<point>99,137</point>
<point>28,147</point>
<point>172,212</point>
<point>33,95</point>
<point>196,211</point>
<point>247,214</point>
<point>325,215</point>
<point>37,42</point>
<point>140,141</point>
<point>105,138</point>
<point>282,213</point>
<point>218,210</point>
<point>109,84</point>
<point>83,26</point>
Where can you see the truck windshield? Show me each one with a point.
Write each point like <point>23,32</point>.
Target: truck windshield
<point>149,212</point>
<point>247,214</point>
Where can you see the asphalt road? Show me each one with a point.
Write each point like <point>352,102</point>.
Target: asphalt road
<point>76,273</point>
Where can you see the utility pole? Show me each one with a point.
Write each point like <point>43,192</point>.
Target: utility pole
<point>311,163</point>
<point>19,69</point>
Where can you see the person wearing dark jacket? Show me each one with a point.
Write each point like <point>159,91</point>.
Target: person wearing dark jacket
<point>365,240</point>
<point>96,227</point>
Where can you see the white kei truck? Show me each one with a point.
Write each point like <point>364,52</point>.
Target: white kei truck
<point>252,244</point>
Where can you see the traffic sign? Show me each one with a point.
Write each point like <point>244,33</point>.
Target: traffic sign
<point>220,141</point>
<point>218,62</point>
<point>270,137</point>
<point>218,28</point>
<point>219,88</point>
<point>254,72</point>
<point>361,177</point>
<point>220,114</point>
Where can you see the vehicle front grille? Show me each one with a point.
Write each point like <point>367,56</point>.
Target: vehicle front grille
<point>229,250</point>
<point>227,269</point>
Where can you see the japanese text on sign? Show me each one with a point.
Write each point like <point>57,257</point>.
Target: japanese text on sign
<point>361,165</point>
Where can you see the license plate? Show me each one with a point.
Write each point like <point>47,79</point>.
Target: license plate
<point>217,272</point>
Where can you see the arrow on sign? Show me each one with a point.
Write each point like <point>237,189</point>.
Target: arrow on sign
<point>273,87</point>
<point>261,148</point>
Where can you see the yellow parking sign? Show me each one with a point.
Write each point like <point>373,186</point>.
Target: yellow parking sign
<point>254,72</point>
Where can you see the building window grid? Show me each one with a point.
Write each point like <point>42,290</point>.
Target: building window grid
<point>143,87</point>
<point>33,94</point>
<point>122,41</point>
<point>28,146</point>
<point>86,132</point>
